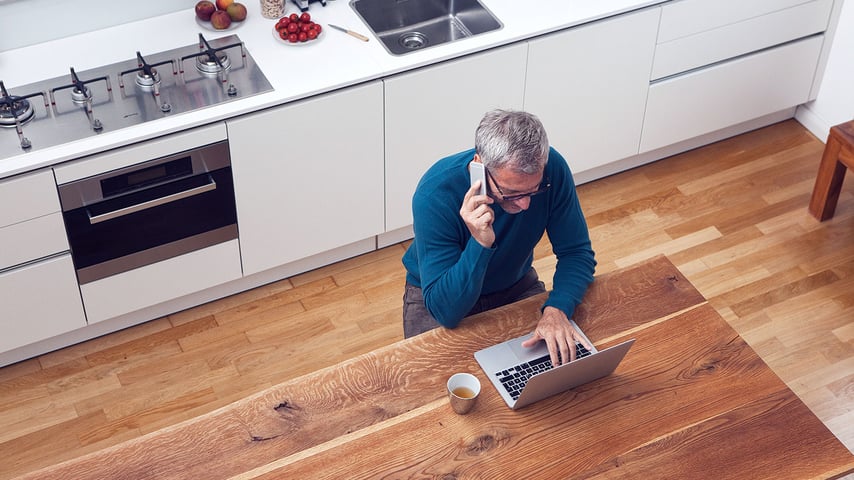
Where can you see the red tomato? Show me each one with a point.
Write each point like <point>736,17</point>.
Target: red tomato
<point>312,34</point>
<point>303,36</point>
<point>283,21</point>
<point>305,17</point>
<point>304,27</point>
<point>293,38</point>
<point>317,28</point>
<point>293,27</point>
<point>294,17</point>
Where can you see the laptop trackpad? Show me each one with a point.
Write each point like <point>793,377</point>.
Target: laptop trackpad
<point>525,354</point>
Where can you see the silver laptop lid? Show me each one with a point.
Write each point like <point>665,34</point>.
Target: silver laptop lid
<point>500,357</point>
<point>573,374</point>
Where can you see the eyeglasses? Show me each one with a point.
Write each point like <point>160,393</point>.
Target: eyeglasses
<point>544,186</point>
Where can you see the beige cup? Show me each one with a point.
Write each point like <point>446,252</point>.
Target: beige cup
<point>463,389</point>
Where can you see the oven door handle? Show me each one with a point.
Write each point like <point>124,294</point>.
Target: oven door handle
<point>152,203</point>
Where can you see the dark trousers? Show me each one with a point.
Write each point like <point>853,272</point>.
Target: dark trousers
<point>416,318</point>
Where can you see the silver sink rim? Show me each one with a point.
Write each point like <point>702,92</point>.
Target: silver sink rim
<point>397,35</point>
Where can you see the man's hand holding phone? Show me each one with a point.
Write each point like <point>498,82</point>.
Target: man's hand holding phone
<point>475,210</point>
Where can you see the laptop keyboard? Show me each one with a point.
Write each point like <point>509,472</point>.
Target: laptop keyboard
<point>515,378</point>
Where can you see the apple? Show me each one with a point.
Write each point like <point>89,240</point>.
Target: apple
<point>237,12</point>
<point>204,9</point>
<point>223,4</point>
<point>220,20</point>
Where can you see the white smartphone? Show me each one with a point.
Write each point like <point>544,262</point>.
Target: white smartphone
<point>478,172</point>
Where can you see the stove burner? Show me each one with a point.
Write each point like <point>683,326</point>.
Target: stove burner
<point>80,93</point>
<point>15,111</point>
<point>213,62</point>
<point>147,79</point>
<point>13,108</point>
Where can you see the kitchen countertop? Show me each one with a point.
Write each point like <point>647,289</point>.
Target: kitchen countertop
<point>336,61</point>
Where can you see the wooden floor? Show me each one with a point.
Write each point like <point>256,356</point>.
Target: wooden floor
<point>732,216</point>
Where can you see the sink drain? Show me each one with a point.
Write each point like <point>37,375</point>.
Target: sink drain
<point>413,40</point>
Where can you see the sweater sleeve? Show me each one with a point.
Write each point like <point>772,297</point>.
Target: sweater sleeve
<point>451,264</point>
<point>570,240</point>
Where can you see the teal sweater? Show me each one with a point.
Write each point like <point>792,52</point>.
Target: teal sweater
<point>453,270</point>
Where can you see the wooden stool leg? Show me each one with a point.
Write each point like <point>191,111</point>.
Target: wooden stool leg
<point>828,182</point>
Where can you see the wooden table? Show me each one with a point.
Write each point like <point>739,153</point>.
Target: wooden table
<point>691,400</point>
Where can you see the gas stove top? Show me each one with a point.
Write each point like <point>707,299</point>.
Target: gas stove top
<point>143,89</point>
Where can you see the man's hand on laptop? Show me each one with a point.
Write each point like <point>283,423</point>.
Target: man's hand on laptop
<point>559,334</point>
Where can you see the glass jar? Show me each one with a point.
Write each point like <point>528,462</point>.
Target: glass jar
<point>272,8</point>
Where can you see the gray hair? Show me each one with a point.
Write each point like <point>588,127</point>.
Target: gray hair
<point>512,139</point>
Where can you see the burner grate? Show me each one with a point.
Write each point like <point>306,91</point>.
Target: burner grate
<point>14,109</point>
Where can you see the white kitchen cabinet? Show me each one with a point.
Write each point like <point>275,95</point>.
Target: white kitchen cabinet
<point>39,190</point>
<point>433,112</point>
<point>39,237</point>
<point>33,228</point>
<point>684,18</point>
<point>40,300</point>
<point>728,93</point>
<point>38,286</point>
<point>589,84</point>
<point>308,176</point>
<point>720,64</point>
<point>705,45</point>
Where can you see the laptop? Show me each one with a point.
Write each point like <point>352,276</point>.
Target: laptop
<point>523,375</point>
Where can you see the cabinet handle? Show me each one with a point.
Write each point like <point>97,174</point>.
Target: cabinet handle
<point>152,203</point>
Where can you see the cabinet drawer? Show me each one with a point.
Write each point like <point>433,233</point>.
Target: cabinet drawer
<point>27,196</point>
<point>729,93</point>
<point>750,35</point>
<point>689,17</point>
<point>40,300</point>
<point>26,241</point>
<point>160,282</point>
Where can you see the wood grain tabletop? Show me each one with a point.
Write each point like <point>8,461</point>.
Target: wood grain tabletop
<point>690,400</point>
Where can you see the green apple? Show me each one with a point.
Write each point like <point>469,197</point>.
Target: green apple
<point>237,12</point>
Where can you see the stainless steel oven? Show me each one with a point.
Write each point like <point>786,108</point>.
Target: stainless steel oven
<point>148,212</point>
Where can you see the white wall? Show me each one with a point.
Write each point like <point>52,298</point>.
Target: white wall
<point>835,101</point>
<point>27,22</point>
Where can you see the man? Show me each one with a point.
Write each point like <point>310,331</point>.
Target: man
<point>474,252</point>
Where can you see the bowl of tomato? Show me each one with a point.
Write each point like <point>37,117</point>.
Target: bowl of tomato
<point>297,29</point>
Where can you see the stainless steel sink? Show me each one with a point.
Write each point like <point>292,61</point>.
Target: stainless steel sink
<point>405,26</point>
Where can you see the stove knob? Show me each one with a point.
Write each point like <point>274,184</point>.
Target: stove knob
<point>232,90</point>
<point>166,107</point>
